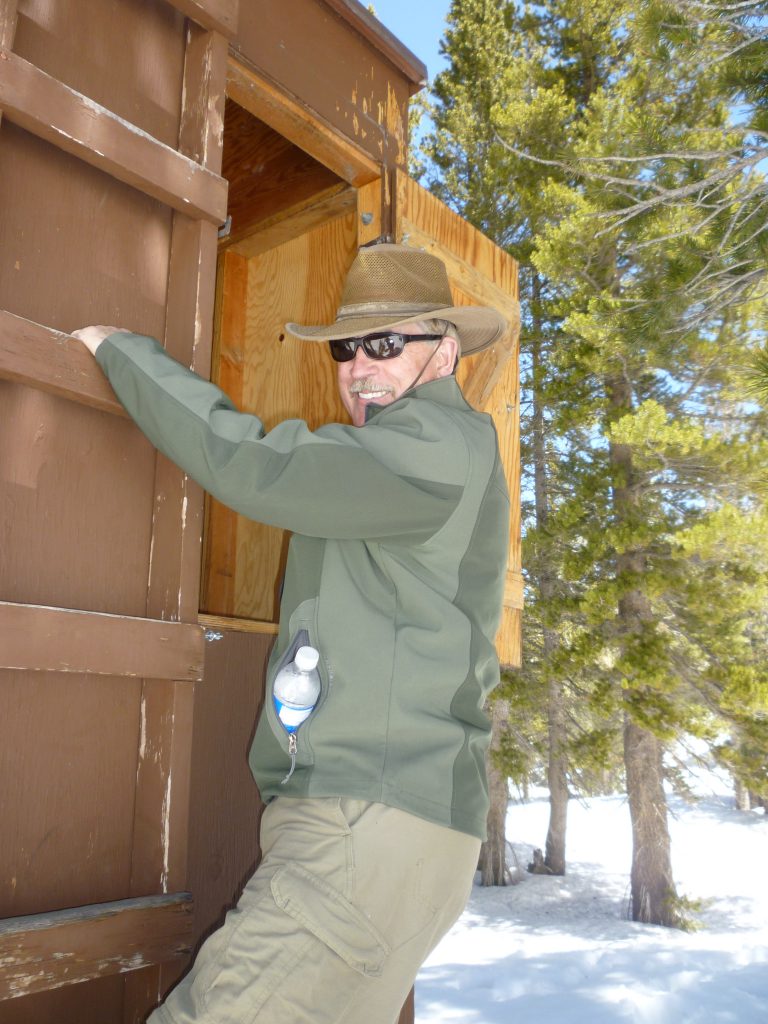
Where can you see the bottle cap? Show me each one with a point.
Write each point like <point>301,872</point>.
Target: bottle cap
<point>306,659</point>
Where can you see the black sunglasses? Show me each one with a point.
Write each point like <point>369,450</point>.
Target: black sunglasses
<point>384,345</point>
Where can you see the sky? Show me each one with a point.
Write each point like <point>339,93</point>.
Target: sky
<point>419,24</point>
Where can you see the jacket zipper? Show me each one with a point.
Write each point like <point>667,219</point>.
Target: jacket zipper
<point>292,748</point>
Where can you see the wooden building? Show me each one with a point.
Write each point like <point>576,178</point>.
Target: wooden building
<point>143,144</point>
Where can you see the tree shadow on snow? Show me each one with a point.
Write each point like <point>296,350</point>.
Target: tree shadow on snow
<point>587,986</point>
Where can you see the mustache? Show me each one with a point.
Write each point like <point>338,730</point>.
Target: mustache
<point>369,384</point>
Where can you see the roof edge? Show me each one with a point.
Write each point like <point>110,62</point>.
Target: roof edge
<point>386,42</point>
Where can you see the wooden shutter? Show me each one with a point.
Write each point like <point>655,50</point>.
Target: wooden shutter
<point>480,274</point>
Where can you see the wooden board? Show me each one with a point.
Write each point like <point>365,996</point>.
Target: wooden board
<point>52,361</point>
<point>109,240</point>
<point>217,15</point>
<point>224,819</point>
<point>64,640</point>
<point>47,951</point>
<point>98,146</point>
<point>76,543</point>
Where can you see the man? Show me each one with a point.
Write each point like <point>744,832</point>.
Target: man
<point>376,807</point>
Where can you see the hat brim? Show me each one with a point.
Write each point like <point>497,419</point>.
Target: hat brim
<point>478,327</point>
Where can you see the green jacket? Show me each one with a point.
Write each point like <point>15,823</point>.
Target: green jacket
<point>395,574</point>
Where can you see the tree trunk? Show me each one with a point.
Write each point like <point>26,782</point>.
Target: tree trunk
<point>493,852</point>
<point>742,796</point>
<point>557,780</point>
<point>544,573</point>
<point>652,884</point>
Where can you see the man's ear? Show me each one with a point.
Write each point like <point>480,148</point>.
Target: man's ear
<point>446,356</point>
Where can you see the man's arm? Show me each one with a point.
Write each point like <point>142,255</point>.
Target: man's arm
<point>399,482</point>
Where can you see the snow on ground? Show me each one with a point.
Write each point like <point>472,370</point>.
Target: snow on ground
<point>561,950</point>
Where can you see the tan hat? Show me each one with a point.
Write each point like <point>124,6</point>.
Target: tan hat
<point>388,285</point>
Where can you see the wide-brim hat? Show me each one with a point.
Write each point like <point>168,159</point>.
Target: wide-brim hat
<point>388,285</point>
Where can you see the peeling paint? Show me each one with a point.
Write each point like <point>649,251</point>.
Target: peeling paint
<point>166,833</point>
<point>151,554</point>
<point>142,732</point>
<point>20,984</point>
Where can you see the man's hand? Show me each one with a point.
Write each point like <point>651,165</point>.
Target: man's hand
<point>92,337</point>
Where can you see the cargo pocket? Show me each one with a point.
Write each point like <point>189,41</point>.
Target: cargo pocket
<point>331,918</point>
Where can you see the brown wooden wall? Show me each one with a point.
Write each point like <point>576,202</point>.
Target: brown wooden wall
<point>110,199</point>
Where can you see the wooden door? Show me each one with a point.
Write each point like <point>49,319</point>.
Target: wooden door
<point>110,202</point>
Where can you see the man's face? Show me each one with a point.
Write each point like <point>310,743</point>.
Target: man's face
<point>364,381</point>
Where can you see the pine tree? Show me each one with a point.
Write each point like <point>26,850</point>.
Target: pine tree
<point>639,430</point>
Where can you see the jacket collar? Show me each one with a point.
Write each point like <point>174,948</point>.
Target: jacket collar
<point>443,391</point>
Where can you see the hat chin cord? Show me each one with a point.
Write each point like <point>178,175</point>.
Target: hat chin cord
<point>422,371</point>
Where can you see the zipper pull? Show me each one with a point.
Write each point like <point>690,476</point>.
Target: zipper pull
<point>292,748</point>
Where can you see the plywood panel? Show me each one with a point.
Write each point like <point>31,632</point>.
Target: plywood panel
<point>266,173</point>
<point>300,281</point>
<point>476,266</point>
<point>133,67</point>
<point>503,406</point>
<point>278,377</point>
<point>297,120</point>
<point>73,755</point>
<point>480,273</point>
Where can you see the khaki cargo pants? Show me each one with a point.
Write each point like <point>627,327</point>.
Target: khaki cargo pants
<point>349,899</point>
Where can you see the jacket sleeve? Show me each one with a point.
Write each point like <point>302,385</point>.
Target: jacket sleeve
<point>402,480</point>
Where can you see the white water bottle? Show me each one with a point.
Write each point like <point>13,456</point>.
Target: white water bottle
<point>296,688</point>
